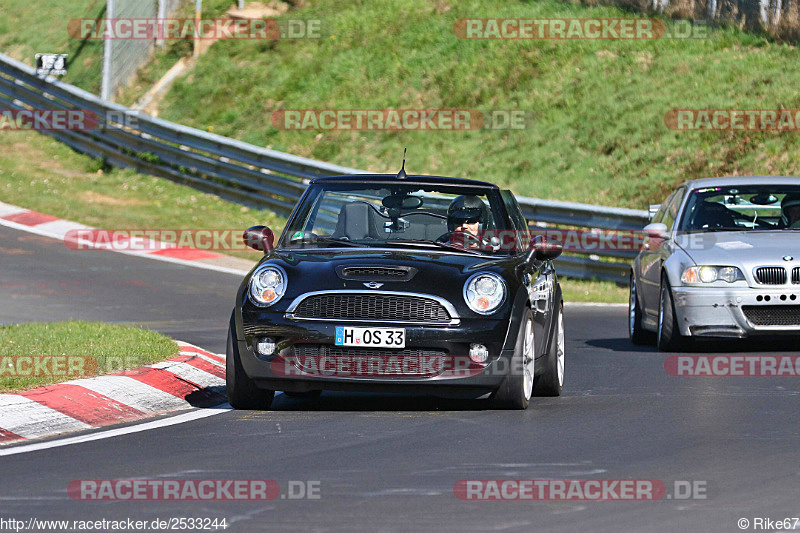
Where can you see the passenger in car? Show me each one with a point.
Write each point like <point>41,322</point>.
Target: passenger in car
<point>790,211</point>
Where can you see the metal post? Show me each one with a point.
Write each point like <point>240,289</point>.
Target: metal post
<point>162,14</point>
<point>197,14</point>
<point>105,86</point>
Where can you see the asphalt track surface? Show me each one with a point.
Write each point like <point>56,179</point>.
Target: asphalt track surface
<point>389,463</point>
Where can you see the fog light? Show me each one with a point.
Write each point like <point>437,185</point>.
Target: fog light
<point>478,353</point>
<point>266,347</point>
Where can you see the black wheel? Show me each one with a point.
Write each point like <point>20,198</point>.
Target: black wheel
<point>516,390</point>
<point>551,380</point>
<point>636,332</point>
<point>669,335</point>
<point>312,394</point>
<point>242,391</point>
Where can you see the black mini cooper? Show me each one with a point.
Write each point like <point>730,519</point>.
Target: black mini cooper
<point>417,284</point>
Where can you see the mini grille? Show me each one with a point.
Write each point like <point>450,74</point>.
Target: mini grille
<point>796,275</point>
<point>772,315</point>
<point>373,307</point>
<point>771,275</point>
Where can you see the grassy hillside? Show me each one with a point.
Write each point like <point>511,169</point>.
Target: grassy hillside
<point>28,28</point>
<point>598,136</point>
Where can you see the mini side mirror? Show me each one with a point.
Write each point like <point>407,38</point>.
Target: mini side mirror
<point>259,238</point>
<point>541,249</point>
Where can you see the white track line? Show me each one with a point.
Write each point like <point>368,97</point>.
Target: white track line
<point>171,421</point>
<point>30,419</point>
<point>8,210</point>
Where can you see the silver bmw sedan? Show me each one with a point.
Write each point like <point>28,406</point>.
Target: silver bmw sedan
<point>720,258</point>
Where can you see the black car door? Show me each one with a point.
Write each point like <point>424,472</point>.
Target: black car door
<point>539,280</point>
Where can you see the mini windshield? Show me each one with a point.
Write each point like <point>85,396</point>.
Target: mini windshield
<point>742,208</point>
<point>336,214</point>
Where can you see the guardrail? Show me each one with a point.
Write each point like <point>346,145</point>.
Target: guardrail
<point>257,176</point>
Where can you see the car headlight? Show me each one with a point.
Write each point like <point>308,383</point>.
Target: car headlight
<point>267,285</point>
<point>484,292</point>
<point>709,274</point>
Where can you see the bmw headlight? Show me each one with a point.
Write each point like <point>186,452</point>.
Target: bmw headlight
<point>484,292</point>
<point>709,274</point>
<point>267,285</point>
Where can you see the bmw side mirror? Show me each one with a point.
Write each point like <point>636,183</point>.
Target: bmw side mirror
<point>259,238</point>
<point>654,234</point>
<point>541,249</point>
<point>656,230</point>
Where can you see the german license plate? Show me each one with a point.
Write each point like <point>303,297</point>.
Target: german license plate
<point>372,337</point>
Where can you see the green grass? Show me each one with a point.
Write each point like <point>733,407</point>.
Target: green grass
<point>28,28</point>
<point>110,348</point>
<point>578,290</point>
<point>39,173</point>
<point>598,135</point>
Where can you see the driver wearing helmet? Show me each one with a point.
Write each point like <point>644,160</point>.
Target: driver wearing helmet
<point>790,210</point>
<point>465,216</point>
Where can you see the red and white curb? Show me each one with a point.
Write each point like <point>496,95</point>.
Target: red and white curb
<point>184,381</point>
<point>19,218</point>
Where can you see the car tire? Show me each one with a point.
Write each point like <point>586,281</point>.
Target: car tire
<point>551,381</point>
<point>636,332</point>
<point>669,338</point>
<point>517,388</point>
<point>242,391</point>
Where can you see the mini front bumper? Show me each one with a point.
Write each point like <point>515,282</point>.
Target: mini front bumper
<point>452,340</point>
<point>718,311</point>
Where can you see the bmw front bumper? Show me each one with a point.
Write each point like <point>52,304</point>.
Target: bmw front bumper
<point>737,312</point>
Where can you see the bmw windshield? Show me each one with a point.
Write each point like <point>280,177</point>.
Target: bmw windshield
<point>742,208</point>
<point>369,215</point>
